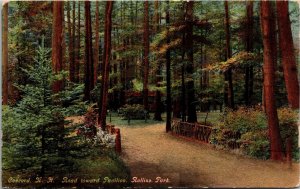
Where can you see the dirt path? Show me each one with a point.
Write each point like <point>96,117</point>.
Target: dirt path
<point>151,153</point>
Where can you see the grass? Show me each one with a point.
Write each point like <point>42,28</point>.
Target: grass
<point>212,117</point>
<point>99,166</point>
<point>114,119</point>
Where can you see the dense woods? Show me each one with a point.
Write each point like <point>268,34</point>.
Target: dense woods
<point>155,60</point>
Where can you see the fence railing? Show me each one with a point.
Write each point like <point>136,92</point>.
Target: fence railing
<point>115,131</point>
<point>191,130</point>
<point>202,133</point>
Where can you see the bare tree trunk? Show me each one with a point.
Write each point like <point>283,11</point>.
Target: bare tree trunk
<point>229,96</point>
<point>106,59</point>
<point>269,80</point>
<point>72,69</point>
<point>168,74</point>
<point>183,87</point>
<point>158,105</point>
<point>146,54</point>
<point>57,43</point>
<point>287,54</point>
<point>156,16</point>
<point>96,52</point>
<point>77,61</point>
<point>249,47</point>
<point>71,43</point>
<point>192,116</point>
<point>88,68</point>
<point>5,55</point>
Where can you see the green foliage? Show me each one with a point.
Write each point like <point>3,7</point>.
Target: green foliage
<point>251,124</point>
<point>238,61</point>
<point>245,119</point>
<point>135,111</point>
<point>256,144</point>
<point>36,140</point>
<point>288,119</point>
<point>137,85</point>
<point>71,99</point>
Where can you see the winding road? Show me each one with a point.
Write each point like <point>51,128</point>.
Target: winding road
<point>155,156</point>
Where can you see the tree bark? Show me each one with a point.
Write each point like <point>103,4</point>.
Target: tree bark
<point>287,54</point>
<point>72,69</point>
<point>183,91</point>
<point>158,105</point>
<point>269,80</point>
<point>77,59</point>
<point>57,43</point>
<point>88,68</point>
<point>228,91</point>
<point>71,43</point>
<point>191,111</point>
<point>106,59</point>
<point>96,52</point>
<point>249,47</point>
<point>156,16</point>
<point>146,54</point>
<point>5,55</point>
<point>168,74</point>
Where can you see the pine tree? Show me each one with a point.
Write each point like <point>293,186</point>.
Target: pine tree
<point>36,139</point>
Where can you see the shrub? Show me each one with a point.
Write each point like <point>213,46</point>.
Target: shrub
<point>256,144</point>
<point>245,119</point>
<point>288,128</point>
<point>251,123</point>
<point>135,111</point>
<point>246,126</point>
<point>88,128</point>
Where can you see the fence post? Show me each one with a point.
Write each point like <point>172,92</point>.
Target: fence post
<point>118,146</point>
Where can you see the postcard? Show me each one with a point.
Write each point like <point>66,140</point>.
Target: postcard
<point>150,94</point>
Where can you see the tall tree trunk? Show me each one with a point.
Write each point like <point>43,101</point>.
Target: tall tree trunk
<point>106,59</point>
<point>287,54</point>
<point>156,16</point>
<point>269,80</point>
<point>183,92</point>
<point>88,68</point>
<point>158,105</point>
<point>249,47</point>
<point>5,55</point>
<point>192,116</point>
<point>57,43</point>
<point>71,43</point>
<point>146,54</point>
<point>96,52</point>
<point>229,96</point>
<point>77,61</point>
<point>168,74</point>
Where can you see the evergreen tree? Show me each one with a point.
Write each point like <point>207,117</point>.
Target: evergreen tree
<point>36,140</point>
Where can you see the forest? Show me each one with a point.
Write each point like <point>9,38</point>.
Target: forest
<point>85,83</point>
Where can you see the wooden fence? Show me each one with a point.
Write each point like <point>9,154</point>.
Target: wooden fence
<point>191,130</point>
<point>202,133</point>
<point>115,131</point>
